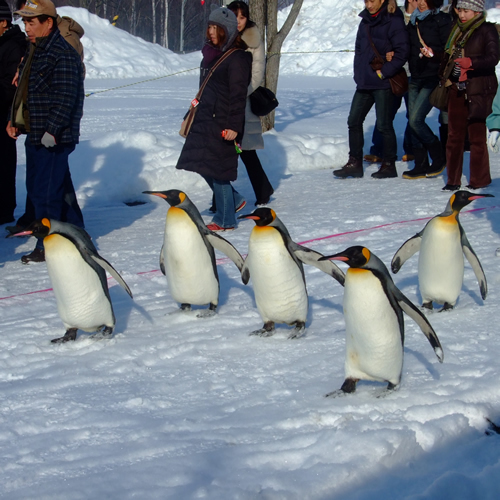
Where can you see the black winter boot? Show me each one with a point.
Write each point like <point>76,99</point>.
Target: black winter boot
<point>387,170</point>
<point>353,168</point>
<point>421,167</point>
<point>438,158</point>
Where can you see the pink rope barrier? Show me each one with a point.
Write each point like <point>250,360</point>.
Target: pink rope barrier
<point>225,260</point>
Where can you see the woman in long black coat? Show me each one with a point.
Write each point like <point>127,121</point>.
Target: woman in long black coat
<point>210,147</point>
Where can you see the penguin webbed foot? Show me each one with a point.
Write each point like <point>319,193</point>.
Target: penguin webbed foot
<point>68,336</point>
<point>298,331</point>
<point>208,313</point>
<point>446,307</point>
<point>389,390</point>
<point>185,307</point>
<point>339,393</point>
<point>266,331</point>
<point>428,305</point>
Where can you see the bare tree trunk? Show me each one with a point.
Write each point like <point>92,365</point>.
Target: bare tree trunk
<point>133,17</point>
<point>164,35</point>
<point>265,14</point>
<point>153,18</point>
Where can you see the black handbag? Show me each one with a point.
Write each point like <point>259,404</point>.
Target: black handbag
<point>262,101</point>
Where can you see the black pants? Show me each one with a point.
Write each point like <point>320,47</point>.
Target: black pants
<point>258,178</point>
<point>8,154</point>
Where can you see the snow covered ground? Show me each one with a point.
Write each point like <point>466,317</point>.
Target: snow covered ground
<point>178,407</point>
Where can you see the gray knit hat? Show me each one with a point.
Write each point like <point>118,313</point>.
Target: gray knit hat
<point>226,19</point>
<point>475,5</point>
<point>5,13</point>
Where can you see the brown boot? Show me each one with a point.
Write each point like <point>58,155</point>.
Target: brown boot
<point>353,168</point>
<point>387,170</point>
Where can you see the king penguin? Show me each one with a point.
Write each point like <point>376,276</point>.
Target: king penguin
<point>78,277</point>
<point>373,312</point>
<point>442,244</point>
<point>274,262</point>
<point>187,257</point>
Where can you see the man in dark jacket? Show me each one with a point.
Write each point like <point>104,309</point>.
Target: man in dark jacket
<point>48,107</point>
<point>12,47</point>
<point>382,25</point>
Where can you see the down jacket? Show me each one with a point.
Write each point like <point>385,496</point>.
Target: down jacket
<point>222,106</point>
<point>388,32</point>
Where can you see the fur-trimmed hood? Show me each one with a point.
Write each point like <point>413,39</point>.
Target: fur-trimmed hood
<point>251,36</point>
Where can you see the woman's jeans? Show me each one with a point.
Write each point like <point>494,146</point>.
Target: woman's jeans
<point>226,199</point>
<point>361,104</point>
<point>419,91</point>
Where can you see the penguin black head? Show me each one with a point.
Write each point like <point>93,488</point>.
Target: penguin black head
<point>173,197</point>
<point>461,199</point>
<point>39,229</point>
<point>262,216</point>
<point>356,256</point>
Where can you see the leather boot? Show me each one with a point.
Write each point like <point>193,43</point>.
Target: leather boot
<point>387,170</point>
<point>421,167</point>
<point>353,168</point>
<point>438,158</point>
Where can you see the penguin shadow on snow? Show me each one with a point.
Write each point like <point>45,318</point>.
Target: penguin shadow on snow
<point>109,176</point>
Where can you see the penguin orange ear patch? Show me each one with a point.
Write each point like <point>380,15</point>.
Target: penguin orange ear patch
<point>46,222</point>
<point>273,214</point>
<point>452,199</point>
<point>182,196</point>
<point>366,254</point>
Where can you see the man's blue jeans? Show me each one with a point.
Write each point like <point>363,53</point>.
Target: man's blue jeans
<point>49,185</point>
<point>362,102</point>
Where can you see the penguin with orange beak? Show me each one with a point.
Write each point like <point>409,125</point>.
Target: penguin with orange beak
<point>187,257</point>
<point>275,264</point>
<point>442,244</point>
<point>78,277</point>
<point>373,312</point>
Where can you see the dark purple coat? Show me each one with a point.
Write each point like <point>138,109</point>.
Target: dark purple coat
<point>483,48</point>
<point>388,32</point>
<point>222,106</point>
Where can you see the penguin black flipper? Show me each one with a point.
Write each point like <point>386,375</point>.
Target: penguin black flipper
<point>406,250</point>
<point>112,271</point>
<point>312,258</point>
<point>474,262</point>
<point>162,263</point>
<point>245,273</point>
<point>409,308</point>
<point>226,248</point>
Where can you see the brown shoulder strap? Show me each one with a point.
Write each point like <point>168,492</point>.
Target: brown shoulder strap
<point>214,67</point>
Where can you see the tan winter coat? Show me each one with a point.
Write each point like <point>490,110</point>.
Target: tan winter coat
<point>252,138</point>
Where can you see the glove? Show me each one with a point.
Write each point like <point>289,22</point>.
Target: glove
<point>465,64</point>
<point>48,140</point>
<point>493,140</point>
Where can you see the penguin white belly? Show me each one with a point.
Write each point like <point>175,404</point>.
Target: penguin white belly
<point>374,350</point>
<point>279,288</point>
<point>441,261</point>
<point>81,300</point>
<point>188,265</point>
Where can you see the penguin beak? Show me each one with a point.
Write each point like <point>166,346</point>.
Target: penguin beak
<point>477,196</point>
<point>336,256</point>
<point>249,216</point>
<point>22,233</point>
<point>154,193</point>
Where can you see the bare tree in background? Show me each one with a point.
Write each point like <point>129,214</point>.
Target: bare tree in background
<point>265,15</point>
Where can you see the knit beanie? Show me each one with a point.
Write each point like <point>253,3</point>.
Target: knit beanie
<point>5,13</point>
<point>226,19</point>
<point>475,5</point>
